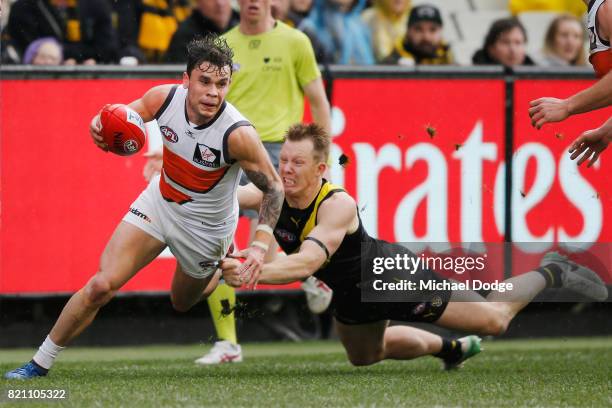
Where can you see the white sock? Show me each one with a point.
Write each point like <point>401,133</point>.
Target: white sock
<point>47,352</point>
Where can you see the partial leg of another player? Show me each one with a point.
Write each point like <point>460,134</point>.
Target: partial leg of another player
<point>128,251</point>
<point>367,344</point>
<point>491,315</point>
<point>222,302</point>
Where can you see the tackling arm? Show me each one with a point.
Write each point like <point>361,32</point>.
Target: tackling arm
<point>336,216</point>
<point>249,197</point>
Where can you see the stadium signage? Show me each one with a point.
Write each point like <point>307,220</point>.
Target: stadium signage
<point>426,162</point>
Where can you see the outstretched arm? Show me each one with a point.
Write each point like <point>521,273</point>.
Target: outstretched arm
<point>245,146</point>
<point>336,217</point>
<point>249,197</point>
<point>548,110</point>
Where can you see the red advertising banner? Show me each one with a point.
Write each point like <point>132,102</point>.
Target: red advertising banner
<point>425,157</point>
<point>61,196</point>
<point>424,160</point>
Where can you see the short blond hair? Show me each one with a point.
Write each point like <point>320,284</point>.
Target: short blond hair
<point>313,132</point>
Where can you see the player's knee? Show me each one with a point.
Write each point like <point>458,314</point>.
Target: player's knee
<point>365,359</point>
<point>99,291</point>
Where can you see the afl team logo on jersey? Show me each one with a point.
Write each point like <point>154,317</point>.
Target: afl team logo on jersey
<point>207,156</point>
<point>419,309</point>
<point>285,235</point>
<point>169,134</point>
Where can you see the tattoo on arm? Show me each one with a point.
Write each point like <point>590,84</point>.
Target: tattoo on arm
<point>272,201</point>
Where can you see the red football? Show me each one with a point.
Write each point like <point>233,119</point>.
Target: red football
<point>123,129</point>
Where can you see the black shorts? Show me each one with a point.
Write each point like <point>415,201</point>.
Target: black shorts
<point>348,308</point>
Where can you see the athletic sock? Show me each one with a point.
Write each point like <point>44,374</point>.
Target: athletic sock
<point>221,303</point>
<point>40,368</point>
<point>451,350</point>
<point>46,354</point>
<point>552,273</point>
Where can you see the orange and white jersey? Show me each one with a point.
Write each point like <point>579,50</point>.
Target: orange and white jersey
<point>199,179</point>
<point>599,49</point>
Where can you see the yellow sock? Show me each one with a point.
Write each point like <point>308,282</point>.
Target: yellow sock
<point>220,302</point>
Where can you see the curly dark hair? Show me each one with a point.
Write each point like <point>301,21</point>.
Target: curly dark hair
<point>210,48</point>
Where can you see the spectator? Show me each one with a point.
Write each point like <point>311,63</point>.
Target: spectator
<point>505,44</point>
<point>387,21</point>
<point>44,51</point>
<point>338,26</point>
<point>299,10</point>
<point>423,43</point>
<point>158,22</point>
<point>575,7</point>
<point>564,43</point>
<point>216,16</point>
<point>84,28</point>
<point>30,20</point>
<point>281,10</point>
<point>127,15</point>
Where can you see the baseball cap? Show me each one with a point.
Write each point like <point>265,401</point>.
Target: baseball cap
<point>424,12</point>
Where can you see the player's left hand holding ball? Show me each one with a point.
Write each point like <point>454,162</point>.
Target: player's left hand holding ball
<point>95,130</point>
<point>118,129</point>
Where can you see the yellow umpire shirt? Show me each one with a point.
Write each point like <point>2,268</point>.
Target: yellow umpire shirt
<point>270,72</point>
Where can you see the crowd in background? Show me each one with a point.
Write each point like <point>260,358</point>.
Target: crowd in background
<point>351,32</point>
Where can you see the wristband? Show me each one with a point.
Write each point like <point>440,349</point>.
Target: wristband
<point>265,228</point>
<point>261,245</point>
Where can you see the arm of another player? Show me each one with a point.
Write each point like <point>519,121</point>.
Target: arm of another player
<point>249,197</point>
<point>591,143</point>
<point>245,146</point>
<point>319,105</point>
<point>147,106</point>
<point>336,217</point>
<point>548,110</point>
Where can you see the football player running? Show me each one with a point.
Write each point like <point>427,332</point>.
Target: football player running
<point>191,207</point>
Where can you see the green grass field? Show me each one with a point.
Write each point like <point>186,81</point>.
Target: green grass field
<point>550,373</point>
